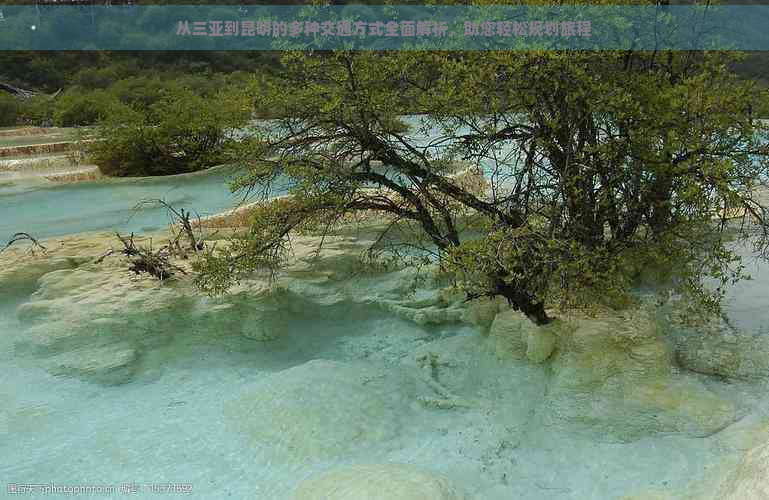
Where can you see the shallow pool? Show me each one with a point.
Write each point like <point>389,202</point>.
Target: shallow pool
<point>199,410</point>
<point>44,210</point>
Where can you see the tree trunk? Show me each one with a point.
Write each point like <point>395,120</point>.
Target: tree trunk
<point>522,301</point>
<point>661,213</point>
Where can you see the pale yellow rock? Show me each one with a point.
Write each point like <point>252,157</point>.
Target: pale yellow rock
<point>515,336</point>
<point>540,343</point>
<point>85,307</point>
<point>509,334</point>
<point>751,479</point>
<point>111,364</point>
<point>614,374</point>
<point>431,315</point>
<point>378,482</point>
<point>21,262</point>
<point>481,312</point>
<point>255,314</point>
<point>84,298</point>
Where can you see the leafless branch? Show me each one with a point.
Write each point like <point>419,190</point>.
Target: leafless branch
<point>24,237</point>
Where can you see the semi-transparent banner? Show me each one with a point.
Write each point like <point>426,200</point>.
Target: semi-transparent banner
<point>64,25</point>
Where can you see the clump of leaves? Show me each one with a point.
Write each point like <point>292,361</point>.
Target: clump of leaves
<point>182,132</point>
<point>601,166</point>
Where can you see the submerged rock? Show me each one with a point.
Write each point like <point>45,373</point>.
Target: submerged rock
<point>540,342</point>
<point>340,257</point>
<point>378,482</point>
<point>652,495</point>
<point>716,348</point>
<point>110,364</point>
<point>87,307</point>
<point>751,479</point>
<point>735,477</point>
<point>256,314</point>
<point>95,321</point>
<point>97,302</point>
<point>615,376</point>
<point>321,410</point>
<point>429,315</point>
<point>744,434</point>
<point>481,312</point>
<point>508,334</point>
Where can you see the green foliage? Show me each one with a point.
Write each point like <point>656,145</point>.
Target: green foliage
<point>601,164</point>
<point>101,77</point>
<point>266,247</point>
<point>142,91</point>
<point>568,273</point>
<point>77,108</point>
<point>88,81</point>
<point>36,110</point>
<point>9,110</point>
<point>181,132</point>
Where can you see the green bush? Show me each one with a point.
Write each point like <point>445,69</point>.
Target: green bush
<point>36,111</point>
<point>9,110</point>
<point>76,108</point>
<point>97,78</point>
<point>180,133</point>
<point>143,91</point>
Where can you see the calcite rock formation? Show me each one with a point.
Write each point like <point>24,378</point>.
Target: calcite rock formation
<point>110,364</point>
<point>378,482</point>
<point>83,303</point>
<point>615,375</point>
<point>716,348</point>
<point>513,335</point>
<point>751,479</point>
<point>482,312</point>
<point>321,410</point>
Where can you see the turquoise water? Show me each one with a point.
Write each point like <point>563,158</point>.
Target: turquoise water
<point>171,422</point>
<point>44,211</point>
<point>747,303</point>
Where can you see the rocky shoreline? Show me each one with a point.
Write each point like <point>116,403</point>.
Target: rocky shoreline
<point>621,376</point>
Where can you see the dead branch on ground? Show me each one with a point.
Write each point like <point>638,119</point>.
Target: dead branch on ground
<point>183,226</point>
<point>24,237</point>
<point>156,263</point>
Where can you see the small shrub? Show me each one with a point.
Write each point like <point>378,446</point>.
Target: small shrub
<point>76,108</point>
<point>98,78</point>
<point>141,92</point>
<point>9,110</point>
<point>36,111</point>
<point>181,133</point>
